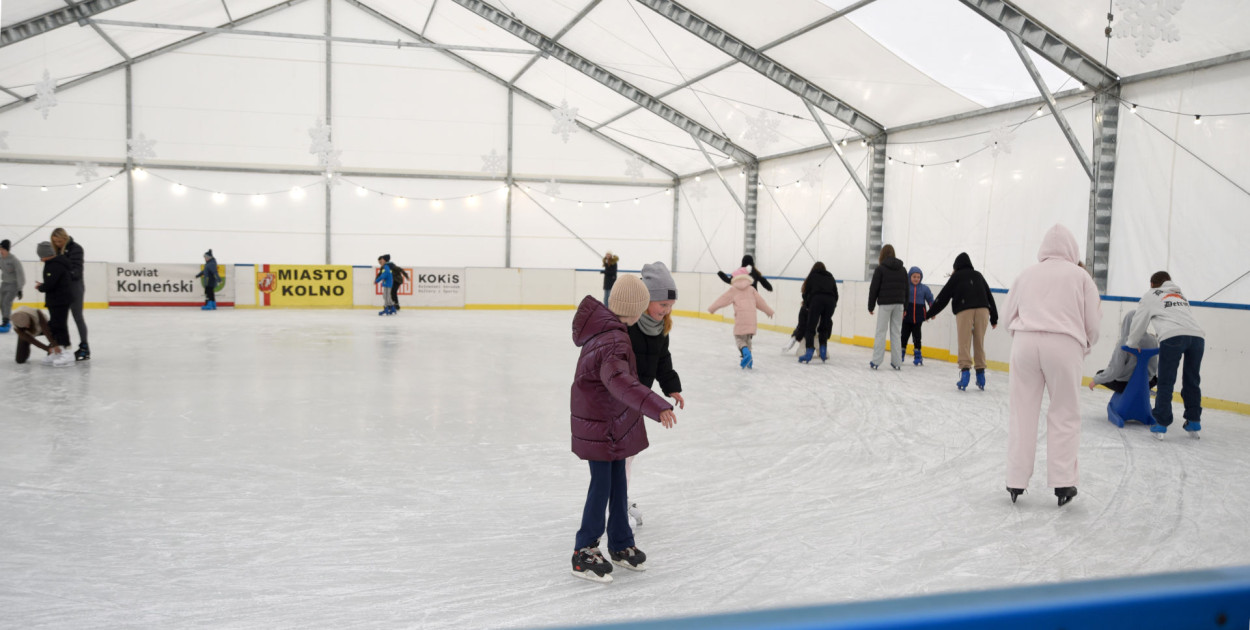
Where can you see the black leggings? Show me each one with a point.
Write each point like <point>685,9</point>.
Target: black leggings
<point>820,309</point>
<point>913,331</point>
<point>76,310</point>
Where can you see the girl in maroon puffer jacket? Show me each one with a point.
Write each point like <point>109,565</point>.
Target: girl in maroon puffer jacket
<point>607,406</point>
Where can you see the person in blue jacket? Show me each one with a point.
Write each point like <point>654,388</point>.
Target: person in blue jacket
<point>919,299</point>
<point>385,278</point>
<point>209,273</point>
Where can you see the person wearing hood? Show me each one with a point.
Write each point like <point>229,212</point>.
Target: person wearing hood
<point>1180,338</point>
<point>1053,312</point>
<point>30,324</point>
<point>745,300</point>
<point>65,245</point>
<point>972,302</point>
<point>609,274</point>
<point>12,279</point>
<point>1117,373</point>
<point>757,279</point>
<point>889,290</point>
<point>919,299</point>
<point>820,295</point>
<point>649,340</point>
<point>58,289</point>
<point>608,404</point>
<point>211,278</point>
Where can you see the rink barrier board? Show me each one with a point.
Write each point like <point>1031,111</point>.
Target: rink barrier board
<point>1210,598</point>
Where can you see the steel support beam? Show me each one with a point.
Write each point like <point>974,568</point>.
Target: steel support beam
<point>602,76</point>
<point>757,61</point>
<point>834,143</point>
<point>1102,188</point>
<point>130,168</point>
<point>876,205</point>
<point>500,81</point>
<point>676,188</point>
<point>555,38</point>
<point>1044,42</point>
<point>750,219</point>
<point>55,19</point>
<point>155,53</point>
<point>11,93</point>
<point>329,114</point>
<point>1053,105</point>
<point>507,240</point>
<point>108,40</point>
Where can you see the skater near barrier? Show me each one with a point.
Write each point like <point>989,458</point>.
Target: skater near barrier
<point>385,280</point>
<point>745,300</point>
<point>889,290</point>
<point>30,324</point>
<point>398,276</point>
<point>1118,371</point>
<point>609,274</point>
<point>757,279</point>
<point>649,340</point>
<point>65,245</point>
<point>820,294</point>
<point>1180,338</point>
<point>12,279</point>
<point>58,289</point>
<point>1053,312</point>
<point>919,299</point>
<point>209,273</point>
<point>972,302</point>
<point>608,404</point>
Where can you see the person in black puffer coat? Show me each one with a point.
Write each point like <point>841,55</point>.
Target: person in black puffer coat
<point>57,285</point>
<point>757,279</point>
<point>65,245</point>
<point>889,290</point>
<point>820,294</point>
<point>973,305</point>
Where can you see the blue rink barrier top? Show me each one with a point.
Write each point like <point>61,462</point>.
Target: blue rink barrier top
<point>1212,598</point>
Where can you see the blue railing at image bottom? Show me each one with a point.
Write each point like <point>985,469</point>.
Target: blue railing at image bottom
<point>1210,598</point>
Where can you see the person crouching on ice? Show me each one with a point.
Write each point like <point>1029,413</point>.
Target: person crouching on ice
<point>607,407</point>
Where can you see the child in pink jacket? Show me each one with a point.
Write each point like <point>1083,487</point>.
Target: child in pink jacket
<point>745,299</point>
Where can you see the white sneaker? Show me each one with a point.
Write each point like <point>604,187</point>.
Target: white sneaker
<point>63,359</point>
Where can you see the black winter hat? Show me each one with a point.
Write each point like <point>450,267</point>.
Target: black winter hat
<point>209,253</point>
<point>386,257</point>
<point>6,245</point>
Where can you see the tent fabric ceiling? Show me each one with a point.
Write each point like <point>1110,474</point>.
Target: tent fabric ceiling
<point>898,61</point>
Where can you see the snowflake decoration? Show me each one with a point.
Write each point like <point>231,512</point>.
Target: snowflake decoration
<point>4,146</point>
<point>762,128</point>
<point>333,179</point>
<point>553,188</point>
<point>811,176</point>
<point>1147,21</point>
<point>323,148</point>
<point>999,141</point>
<point>566,121</point>
<point>140,148</point>
<point>493,163</point>
<point>633,167</point>
<point>45,94</point>
<point>697,192</point>
<point>87,171</point>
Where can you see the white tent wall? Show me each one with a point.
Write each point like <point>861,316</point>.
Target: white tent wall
<point>827,209</point>
<point>88,123</point>
<point>709,224</point>
<point>995,208</point>
<point>537,152</point>
<point>1172,212</point>
<point>437,223</point>
<point>637,232</point>
<point>97,218</point>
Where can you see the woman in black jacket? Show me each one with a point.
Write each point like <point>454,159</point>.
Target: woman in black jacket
<point>609,274</point>
<point>889,290</point>
<point>820,294</point>
<point>973,304</point>
<point>757,279</point>
<point>64,245</point>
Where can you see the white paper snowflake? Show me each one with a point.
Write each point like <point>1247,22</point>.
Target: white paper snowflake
<point>87,171</point>
<point>999,141</point>
<point>4,146</point>
<point>323,147</point>
<point>1148,21</point>
<point>493,163</point>
<point>762,129</point>
<point>811,176</point>
<point>45,94</point>
<point>553,188</point>
<point>698,192</point>
<point>141,148</point>
<point>633,167</point>
<point>332,178</point>
<point>566,121</point>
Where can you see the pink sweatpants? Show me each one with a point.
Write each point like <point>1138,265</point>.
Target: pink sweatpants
<point>1049,361</point>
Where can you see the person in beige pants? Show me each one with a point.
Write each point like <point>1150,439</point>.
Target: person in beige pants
<point>1053,312</point>
<point>972,302</point>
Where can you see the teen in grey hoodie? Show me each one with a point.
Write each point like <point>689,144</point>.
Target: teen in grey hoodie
<point>12,279</point>
<point>1180,337</point>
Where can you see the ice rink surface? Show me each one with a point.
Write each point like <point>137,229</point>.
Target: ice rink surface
<point>264,469</point>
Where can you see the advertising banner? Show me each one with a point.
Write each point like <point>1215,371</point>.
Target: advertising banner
<point>306,286</point>
<point>138,284</point>
<point>404,289</point>
<point>435,286</point>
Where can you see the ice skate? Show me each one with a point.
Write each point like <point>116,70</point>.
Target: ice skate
<point>790,346</point>
<point>1015,492</point>
<point>62,360</point>
<point>589,564</point>
<point>746,361</point>
<point>5,327</point>
<point>1192,427</point>
<point>806,357</point>
<point>872,365</point>
<point>964,376</point>
<point>631,558</point>
<point>896,366</point>
<point>1065,494</point>
<point>83,353</point>
<point>824,353</point>
<point>919,360</point>
<point>49,358</point>
<point>635,514</point>
<point>981,379</point>
<point>1158,430</point>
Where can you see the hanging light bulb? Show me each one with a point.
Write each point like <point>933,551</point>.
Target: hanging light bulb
<point>4,186</point>
<point>668,192</point>
<point>436,204</point>
<point>78,185</point>
<point>401,202</point>
<point>179,189</point>
<point>889,160</point>
<point>258,199</point>
<point>607,204</point>
<point>742,174</point>
<point>698,178</point>
<point>43,189</point>
<point>843,143</point>
<point>637,201</point>
<point>922,167</point>
<point>471,201</point>
<point>777,189</point>
<point>297,193</point>
<point>1197,119</point>
<point>863,142</point>
<point>1132,108</point>
<point>579,204</point>
<point>957,164</point>
<point>219,198</point>
<point>139,173</point>
<point>759,186</point>
<point>110,178</point>
<point>1039,111</point>
<point>361,191</point>
<point>551,199</point>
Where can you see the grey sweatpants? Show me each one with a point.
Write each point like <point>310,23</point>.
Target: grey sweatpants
<point>75,309</point>
<point>889,320</point>
<point>388,300</point>
<point>8,293</point>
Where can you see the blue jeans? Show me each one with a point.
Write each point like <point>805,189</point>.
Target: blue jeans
<point>1171,351</point>
<point>608,491</point>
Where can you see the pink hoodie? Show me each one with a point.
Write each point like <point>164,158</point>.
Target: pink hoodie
<point>1055,295</point>
<point>745,299</point>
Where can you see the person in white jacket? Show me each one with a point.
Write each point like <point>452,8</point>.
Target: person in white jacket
<point>1053,312</point>
<point>1180,337</point>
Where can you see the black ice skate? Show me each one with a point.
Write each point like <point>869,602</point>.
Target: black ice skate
<point>83,353</point>
<point>1065,494</point>
<point>1015,492</point>
<point>589,564</point>
<point>631,558</point>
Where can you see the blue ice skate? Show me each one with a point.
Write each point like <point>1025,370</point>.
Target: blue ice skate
<point>872,365</point>
<point>919,359</point>
<point>386,310</point>
<point>6,327</point>
<point>746,359</point>
<point>1193,427</point>
<point>824,353</point>
<point>981,379</point>
<point>964,377</point>
<point>807,356</point>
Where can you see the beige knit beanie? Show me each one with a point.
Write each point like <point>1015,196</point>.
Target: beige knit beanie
<point>629,297</point>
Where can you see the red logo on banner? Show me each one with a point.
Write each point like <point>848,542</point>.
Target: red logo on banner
<point>266,283</point>
<point>404,289</point>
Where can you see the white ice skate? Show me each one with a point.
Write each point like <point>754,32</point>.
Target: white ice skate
<point>635,514</point>
<point>790,346</point>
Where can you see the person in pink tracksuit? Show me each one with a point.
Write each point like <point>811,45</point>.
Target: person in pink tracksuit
<point>1053,312</point>
<point>745,299</point>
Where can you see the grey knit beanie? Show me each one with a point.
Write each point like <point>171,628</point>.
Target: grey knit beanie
<point>659,282</point>
<point>44,250</point>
